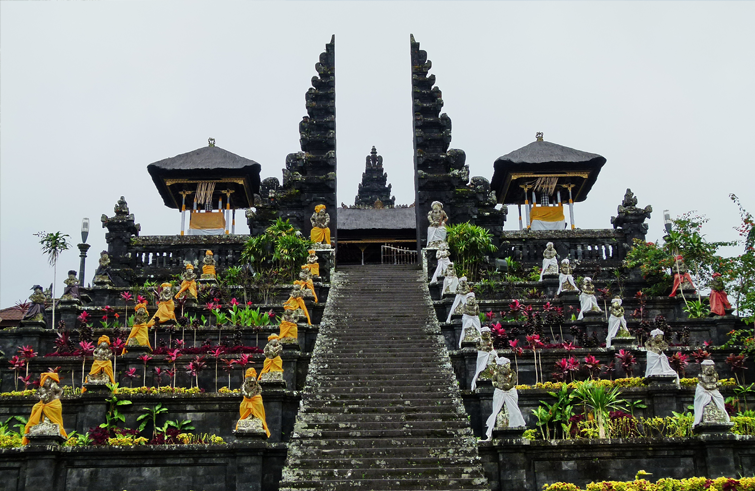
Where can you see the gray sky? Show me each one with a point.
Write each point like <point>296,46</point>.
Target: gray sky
<point>93,92</point>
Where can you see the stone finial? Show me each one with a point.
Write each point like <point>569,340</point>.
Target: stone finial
<point>539,136</point>
<point>211,142</point>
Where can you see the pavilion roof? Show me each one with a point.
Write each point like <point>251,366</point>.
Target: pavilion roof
<point>377,218</point>
<point>544,159</point>
<point>228,170</point>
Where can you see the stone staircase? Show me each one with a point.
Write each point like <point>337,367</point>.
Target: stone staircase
<point>381,408</point>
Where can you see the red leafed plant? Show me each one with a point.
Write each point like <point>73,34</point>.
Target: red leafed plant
<point>628,361</point>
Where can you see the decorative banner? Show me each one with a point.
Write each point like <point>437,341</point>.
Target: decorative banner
<point>207,223</point>
<point>547,218</point>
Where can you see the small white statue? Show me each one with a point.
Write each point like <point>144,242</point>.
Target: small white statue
<point>486,355</point>
<point>436,231</point>
<point>657,361</point>
<point>470,320</point>
<point>616,320</point>
<point>443,256</point>
<point>450,281</point>
<point>587,300</point>
<point>709,403</point>
<point>565,278</point>
<point>505,393</point>
<point>550,263</point>
<point>461,297</point>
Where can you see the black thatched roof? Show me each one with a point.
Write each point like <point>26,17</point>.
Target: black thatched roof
<point>209,163</point>
<point>377,219</point>
<point>544,158</point>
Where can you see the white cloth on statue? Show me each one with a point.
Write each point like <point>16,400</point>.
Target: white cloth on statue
<point>543,225</point>
<point>587,303</point>
<point>614,323</point>
<point>548,263</point>
<point>563,278</point>
<point>459,300</point>
<point>511,399</point>
<point>436,234</point>
<point>483,357</point>
<point>467,322</point>
<point>657,364</point>
<point>443,263</point>
<point>703,397</point>
<point>449,284</point>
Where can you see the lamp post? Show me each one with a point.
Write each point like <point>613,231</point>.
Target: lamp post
<point>83,248</point>
<point>667,220</point>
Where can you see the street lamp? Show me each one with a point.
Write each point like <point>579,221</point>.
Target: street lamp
<point>667,220</point>
<point>83,248</point>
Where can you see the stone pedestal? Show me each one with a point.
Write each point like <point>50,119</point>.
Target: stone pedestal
<point>69,310</point>
<point>249,430</point>
<point>136,351</point>
<point>291,346</point>
<point>326,258</point>
<point>45,433</point>
<point>97,389</point>
<point>661,381</point>
<point>712,428</point>
<point>33,324</point>
<point>268,385</point>
<point>624,343</point>
<point>508,432</point>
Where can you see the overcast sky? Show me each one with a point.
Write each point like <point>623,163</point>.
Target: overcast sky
<point>93,92</point>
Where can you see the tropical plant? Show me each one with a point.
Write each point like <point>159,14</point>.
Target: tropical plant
<point>150,415</point>
<point>113,415</point>
<point>281,247</point>
<point>53,244</point>
<point>696,309</point>
<point>469,245</point>
<point>601,400</point>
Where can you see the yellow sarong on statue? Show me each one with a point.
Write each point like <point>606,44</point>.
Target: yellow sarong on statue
<point>208,269</point>
<point>165,311</point>
<point>253,407</point>
<point>53,411</point>
<point>319,235</point>
<point>314,268</point>
<point>294,303</point>
<point>289,330</point>
<point>309,285</point>
<point>274,365</point>
<point>102,366</point>
<point>188,285</point>
<point>140,332</point>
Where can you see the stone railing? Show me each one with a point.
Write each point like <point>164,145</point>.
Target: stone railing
<point>605,248</point>
<point>159,256</point>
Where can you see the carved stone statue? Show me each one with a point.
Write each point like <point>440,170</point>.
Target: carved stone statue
<point>682,279</point>
<point>550,263</point>
<point>436,231</point>
<point>719,301</point>
<point>36,312</point>
<point>470,321</point>
<point>709,403</point>
<point>208,266</point>
<point>443,256</point>
<point>461,297</point>
<point>252,411</point>
<point>289,329</point>
<point>272,370</point>
<point>47,415</point>
<point>165,306</point>
<point>102,368</point>
<point>71,291</point>
<point>450,281</point>
<point>320,234</point>
<point>312,265</point>
<point>616,321</point>
<point>139,335</point>
<point>486,358</point>
<point>306,284</point>
<point>657,361</point>
<point>505,394</point>
<point>566,279</point>
<point>188,288</point>
<point>296,302</point>
<point>587,300</point>
<point>102,274</point>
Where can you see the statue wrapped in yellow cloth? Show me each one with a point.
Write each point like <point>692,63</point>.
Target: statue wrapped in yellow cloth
<point>188,284</point>
<point>208,266</point>
<point>47,415</point>
<point>320,233</point>
<point>306,284</point>
<point>165,307</point>
<point>289,329</point>
<point>139,335</point>
<point>252,410</point>
<point>102,368</point>
<point>296,302</point>
<point>312,265</point>
<point>272,370</point>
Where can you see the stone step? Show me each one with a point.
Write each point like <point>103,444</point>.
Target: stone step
<point>478,483</point>
<point>381,453</point>
<point>439,444</point>
<point>400,473</point>
<point>437,432</point>
<point>378,383</point>
<point>380,462</point>
<point>358,374</point>
<point>363,418</point>
<point>337,407</point>
<point>395,392</point>
<point>377,377</point>
<point>372,426</point>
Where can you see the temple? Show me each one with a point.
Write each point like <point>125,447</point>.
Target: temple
<point>380,345</point>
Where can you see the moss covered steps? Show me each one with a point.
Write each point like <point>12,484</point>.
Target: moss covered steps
<point>381,408</point>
